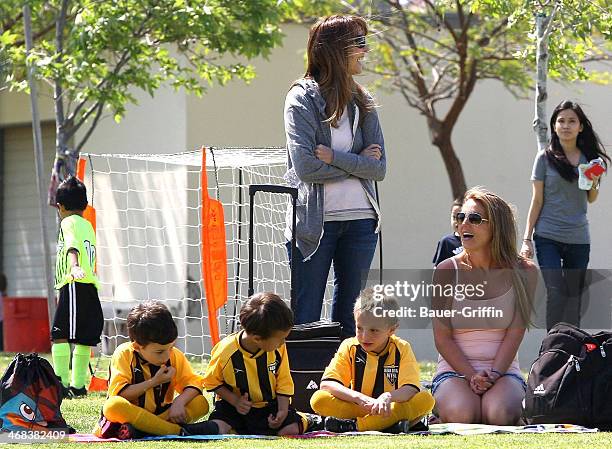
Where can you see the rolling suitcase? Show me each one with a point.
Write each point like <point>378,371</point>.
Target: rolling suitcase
<point>310,346</point>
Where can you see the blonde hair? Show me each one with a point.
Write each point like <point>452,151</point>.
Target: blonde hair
<point>377,304</point>
<point>504,251</point>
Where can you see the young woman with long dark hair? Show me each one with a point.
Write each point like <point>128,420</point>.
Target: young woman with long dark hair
<point>557,219</point>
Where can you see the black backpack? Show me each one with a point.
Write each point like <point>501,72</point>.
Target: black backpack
<point>571,380</point>
<point>30,397</point>
<point>310,348</point>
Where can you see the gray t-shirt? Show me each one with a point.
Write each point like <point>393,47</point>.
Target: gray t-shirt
<point>564,212</point>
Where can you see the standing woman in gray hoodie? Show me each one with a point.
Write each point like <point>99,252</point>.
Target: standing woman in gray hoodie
<point>335,153</point>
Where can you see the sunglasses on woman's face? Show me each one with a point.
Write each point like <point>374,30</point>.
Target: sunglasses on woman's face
<point>473,218</point>
<point>360,42</point>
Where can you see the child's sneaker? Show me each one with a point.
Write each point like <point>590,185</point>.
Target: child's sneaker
<point>200,428</point>
<point>338,425</point>
<point>420,426</point>
<point>64,390</point>
<point>78,392</point>
<point>107,429</point>
<point>129,432</point>
<point>404,426</point>
<point>313,422</point>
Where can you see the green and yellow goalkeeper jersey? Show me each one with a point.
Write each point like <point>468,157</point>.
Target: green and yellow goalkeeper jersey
<point>76,233</point>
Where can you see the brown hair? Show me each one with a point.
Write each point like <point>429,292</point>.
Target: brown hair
<point>329,44</point>
<point>265,313</point>
<point>504,252</point>
<point>151,322</point>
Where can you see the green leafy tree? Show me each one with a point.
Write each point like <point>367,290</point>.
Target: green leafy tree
<point>433,52</point>
<point>93,54</point>
<point>551,19</point>
<point>4,69</point>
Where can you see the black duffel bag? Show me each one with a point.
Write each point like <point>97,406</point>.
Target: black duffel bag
<point>310,347</point>
<point>571,380</point>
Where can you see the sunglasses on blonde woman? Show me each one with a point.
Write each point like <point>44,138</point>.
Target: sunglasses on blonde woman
<point>473,218</point>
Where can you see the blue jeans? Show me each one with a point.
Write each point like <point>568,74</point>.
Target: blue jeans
<point>350,246</point>
<point>437,381</point>
<point>563,267</point>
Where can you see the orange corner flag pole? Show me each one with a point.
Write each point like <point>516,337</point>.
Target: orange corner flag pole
<point>213,252</point>
<point>89,213</point>
<point>96,383</point>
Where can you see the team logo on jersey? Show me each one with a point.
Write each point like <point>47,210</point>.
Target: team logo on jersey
<point>273,367</point>
<point>391,372</point>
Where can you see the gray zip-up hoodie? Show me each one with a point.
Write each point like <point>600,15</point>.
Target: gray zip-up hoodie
<point>305,128</point>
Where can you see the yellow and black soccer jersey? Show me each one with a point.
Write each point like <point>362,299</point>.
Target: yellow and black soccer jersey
<point>373,374</point>
<point>129,368</point>
<point>76,233</point>
<point>263,375</point>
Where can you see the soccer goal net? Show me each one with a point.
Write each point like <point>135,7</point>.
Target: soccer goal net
<point>148,209</point>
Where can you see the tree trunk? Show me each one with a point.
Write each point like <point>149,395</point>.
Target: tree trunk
<point>65,162</point>
<point>442,140</point>
<point>543,29</point>
<point>38,158</point>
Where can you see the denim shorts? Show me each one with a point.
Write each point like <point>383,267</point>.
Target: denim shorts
<point>435,383</point>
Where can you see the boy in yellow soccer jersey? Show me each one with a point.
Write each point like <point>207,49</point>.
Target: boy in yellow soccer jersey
<point>145,375</point>
<point>249,373</point>
<point>372,383</point>
<point>78,318</point>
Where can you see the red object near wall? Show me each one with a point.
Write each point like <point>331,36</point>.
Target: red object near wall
<point>26,325</point>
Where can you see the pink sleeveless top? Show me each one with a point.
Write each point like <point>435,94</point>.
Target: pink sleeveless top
<point>480,345</point>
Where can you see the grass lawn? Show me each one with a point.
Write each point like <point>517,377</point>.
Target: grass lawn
<point>82,414</point>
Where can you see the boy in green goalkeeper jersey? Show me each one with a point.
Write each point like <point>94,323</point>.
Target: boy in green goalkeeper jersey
<point>78,318</point>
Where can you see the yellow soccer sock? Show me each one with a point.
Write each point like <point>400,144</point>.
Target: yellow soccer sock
<point>419,405</point>
<point>304,422</point>
<point>118,409</point>
<point>196,409</point>
<point>326,404</point>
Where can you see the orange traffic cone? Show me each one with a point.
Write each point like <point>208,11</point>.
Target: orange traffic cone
<point>96,383</point>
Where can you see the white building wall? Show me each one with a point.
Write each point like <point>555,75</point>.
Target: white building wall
<point>21,236</point>
<point>154,125</point>
<point>15,107</point>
